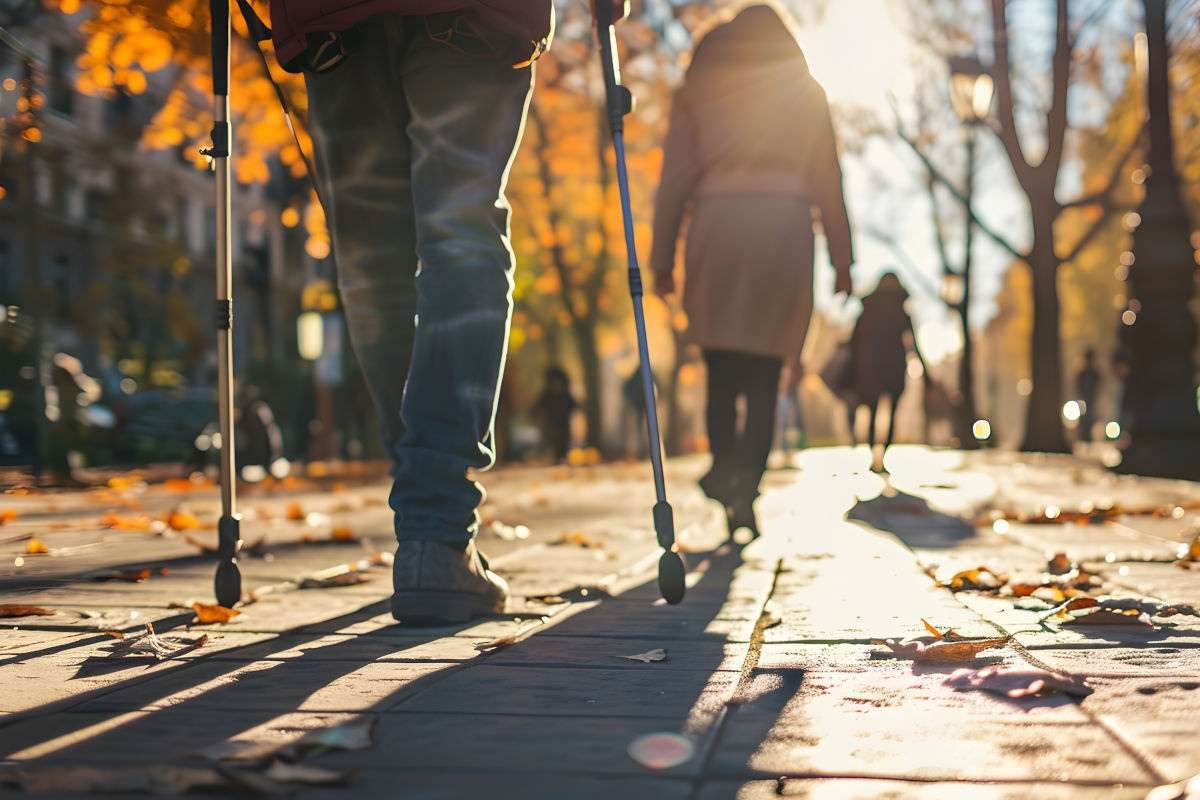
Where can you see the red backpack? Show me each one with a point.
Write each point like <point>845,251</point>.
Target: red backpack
<point>518,30</point>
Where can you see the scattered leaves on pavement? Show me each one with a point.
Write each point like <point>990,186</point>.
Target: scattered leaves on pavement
<point>1105,616</point>
<point>151,644</point>
<point>8,610</point>
<point>1018,683</point>
<point>342,535</point>
<point>649,657</point>
<point>36,547</point>
<point>213,614</point>
<point>7,515</point>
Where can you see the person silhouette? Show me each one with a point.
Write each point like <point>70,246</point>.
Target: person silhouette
<point>748,178</point>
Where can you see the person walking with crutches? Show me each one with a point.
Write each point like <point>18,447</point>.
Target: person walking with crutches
<point>416,108</point>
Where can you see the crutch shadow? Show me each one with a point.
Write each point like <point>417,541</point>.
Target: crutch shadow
<point>567,698</point>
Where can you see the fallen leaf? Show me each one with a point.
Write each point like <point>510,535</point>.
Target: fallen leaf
<point>934,632</point>
<point>356,735</point>
<point>1059,564</point>
<point>120,523</point>
<point>342,535</point>
<point>943,651</point>
<point>1190,553</point>
<point>9,610</point>
<point>295,512</point>
<point>179,520</point>
<point>1105,616</point>
<point>1018,683</point>
<point>505,641</point>
<point>283,772</point>
<point>549,599</point>
<point>576,538</point>
<point>36,547</point>
<point>132,575</point>
<point>151,644</point>
<point>649,657</point>
<point>978,578</point>
<point>333,581</point>
<point>213,614</point>
<point>7,515</point>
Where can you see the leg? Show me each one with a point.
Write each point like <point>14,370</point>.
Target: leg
<point>851,422</point>
<point>720,416</point>
<point>893,404</point>
<point>466,115</point>
<point>358,118</point>
<point>761,382</point>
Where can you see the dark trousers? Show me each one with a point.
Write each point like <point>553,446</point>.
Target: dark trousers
<point>739,452</point>
<point>414,140</point>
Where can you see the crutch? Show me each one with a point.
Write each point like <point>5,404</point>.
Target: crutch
<point>619,103</point>
<point>228,580</point>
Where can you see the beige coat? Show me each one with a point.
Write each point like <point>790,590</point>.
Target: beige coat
<point>749,155</point>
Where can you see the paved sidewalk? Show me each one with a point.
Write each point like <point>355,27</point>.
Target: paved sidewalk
<point>772,683</point>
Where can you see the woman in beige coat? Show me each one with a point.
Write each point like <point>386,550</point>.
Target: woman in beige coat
<point>750,154</point>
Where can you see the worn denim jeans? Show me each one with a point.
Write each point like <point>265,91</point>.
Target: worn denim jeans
<point>414,140</point>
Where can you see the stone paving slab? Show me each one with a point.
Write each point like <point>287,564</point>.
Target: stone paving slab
<point>843,788</point>
<point>758,690</point>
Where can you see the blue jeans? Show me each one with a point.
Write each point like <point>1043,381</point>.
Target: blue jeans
<point>414,140</point>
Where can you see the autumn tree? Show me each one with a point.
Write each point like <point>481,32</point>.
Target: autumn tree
<point>1032,126</point>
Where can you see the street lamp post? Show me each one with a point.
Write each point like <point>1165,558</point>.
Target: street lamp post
<point>1158,332</point>
<point>971,91</point>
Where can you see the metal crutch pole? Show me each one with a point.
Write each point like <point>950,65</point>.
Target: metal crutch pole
<point>228,580</point>
<point>619,100</point>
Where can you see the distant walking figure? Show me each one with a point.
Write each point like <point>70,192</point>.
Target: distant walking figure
<point>882,339</point>
<point>749,155</point>
<point>554,410</point>
<point>1087,386</point>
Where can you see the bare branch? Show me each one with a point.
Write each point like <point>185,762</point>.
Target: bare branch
<point>939,177</point>
<point>1006,128</point>
<point>1056,116</point>
<point>1093,230</point>
<point>1103,195</point>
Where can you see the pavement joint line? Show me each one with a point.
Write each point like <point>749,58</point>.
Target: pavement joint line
<point>918,779</point>
<point>712,736</point>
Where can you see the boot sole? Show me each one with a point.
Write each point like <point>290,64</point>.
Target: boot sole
<point>443,608</point>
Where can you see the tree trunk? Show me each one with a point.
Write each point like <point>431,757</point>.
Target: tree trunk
<point>589,362</point>
<point>1043,422</point>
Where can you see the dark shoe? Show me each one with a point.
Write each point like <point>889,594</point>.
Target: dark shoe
<point>440,584</point>
<point>716,488</point>
<point>742,516</point>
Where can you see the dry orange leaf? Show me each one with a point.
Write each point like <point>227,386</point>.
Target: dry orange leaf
<point>944,650</point>
<point>342,535</point>
<point>180,520</point>
<point>577,538</point>
<point>8,610</point>
<point>1192,553</point>
<point>36,547</point>
<point>1059,564</point>
<point>979,578</point>
<point>120,523</point>
<point>7,515</point>
<point>1111,616</point>
<point>208,615</point>
<point>295,513</point>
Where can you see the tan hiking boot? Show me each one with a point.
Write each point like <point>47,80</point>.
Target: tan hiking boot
<point>437,583</point>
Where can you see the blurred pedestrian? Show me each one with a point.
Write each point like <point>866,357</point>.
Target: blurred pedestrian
<point>554,409</point>
<point>1087,386</point>
<point>416,108</point>
<point>790,417</point>
<point>750,153</point>
<point>633,416</point>
<point>880,345</point>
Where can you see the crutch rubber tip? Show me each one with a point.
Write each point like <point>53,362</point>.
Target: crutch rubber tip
<point>671,573</point>
<point>228,584</point>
